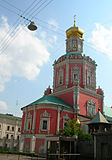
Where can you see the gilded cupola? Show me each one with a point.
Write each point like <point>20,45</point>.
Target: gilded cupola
<point>74,31</point>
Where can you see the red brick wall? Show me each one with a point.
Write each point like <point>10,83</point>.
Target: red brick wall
<point>27,142</point>
<point>53,120</point>
<point>67,97</point>
<point>39,142</point>
<point>77,65</point>
<point>64,114</point>
<point>83,98</point>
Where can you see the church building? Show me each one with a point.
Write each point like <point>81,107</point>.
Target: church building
<point>74,95</point>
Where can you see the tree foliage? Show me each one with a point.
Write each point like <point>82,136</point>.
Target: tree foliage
<point>72,128</point>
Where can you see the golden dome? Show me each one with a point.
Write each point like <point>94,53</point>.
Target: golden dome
<point>74,31</point>
<point>77,121</point>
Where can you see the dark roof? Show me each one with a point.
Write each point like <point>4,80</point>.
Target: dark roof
<point>98,118</point>
<point>48,99</point>
<point>10,116</point>
<point>85,116</point>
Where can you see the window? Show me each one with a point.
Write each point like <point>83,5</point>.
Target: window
<point>8,128</point>
<point>7,136</point>
<point>91,108</point>
<point>12,128</point>
<point>44,124</point>
<point>29,121</point>
<point>75,74</point>
<point>74,44</point>
<point>18,138</point>
<point>19,130</point>
<point>60,76</point>
<point>12,136</point>
<point>65,124</point>
<point>44,127</point>
<point>44,121</point>
<point>65,120</point>
<point>29,124</point>
<point>89,78</point>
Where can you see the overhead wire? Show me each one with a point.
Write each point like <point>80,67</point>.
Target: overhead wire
<point>8,9</point>
<point>14,29</point>
<point>42,8</point>
<point>10,34</point>
<point>31,16</point>
<point>6,38</point>
<point>13,34</point>
<point>25,18</point>
<point>11,5</point>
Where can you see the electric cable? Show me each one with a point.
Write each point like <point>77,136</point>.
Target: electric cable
<point>13,30</point>
<point>12,5</point>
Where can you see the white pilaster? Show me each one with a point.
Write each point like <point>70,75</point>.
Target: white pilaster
<point>58,121</point>
<point>32,146</point>
<point>74,97</point>
<point>21,144</point>
<point>77,98</point>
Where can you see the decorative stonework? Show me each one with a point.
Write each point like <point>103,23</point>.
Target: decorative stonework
<point>65,119</point>
<point>29,121</point>
<point>75,75</point>
<point>29,115</point>
<point>91,108</point>
<point>76,98</point>
<point>45,114</point>
<point>90,79</point>
<point>74,44</point>
<point>44,122</point>
<point>60,77</point>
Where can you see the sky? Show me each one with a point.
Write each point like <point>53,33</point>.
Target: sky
<point>26,57</point>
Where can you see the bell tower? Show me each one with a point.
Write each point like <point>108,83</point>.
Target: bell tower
<point>74,41</point>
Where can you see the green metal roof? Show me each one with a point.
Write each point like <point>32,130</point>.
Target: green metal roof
<point>109,119</point>
<point>108,111</point>
<point>98,118</point>
<point>48,99</point>
<point>69,54</point>
<point>10,116</point>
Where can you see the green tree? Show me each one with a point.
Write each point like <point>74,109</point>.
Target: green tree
<point>73,127</point>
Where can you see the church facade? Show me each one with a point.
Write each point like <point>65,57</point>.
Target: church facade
<point>74,95</point>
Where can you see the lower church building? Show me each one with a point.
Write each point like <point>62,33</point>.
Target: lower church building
<point>74,95</point>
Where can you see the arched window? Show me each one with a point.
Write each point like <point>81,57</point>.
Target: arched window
<point>29,121</point>
<point>17,137</point>
<point>66,118</point>
<point>91,108</point>
<point>75,74</point>
<point>60,76</point>
<point>7,136</point>
<point>89,78</point>
<point>44,121</point>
